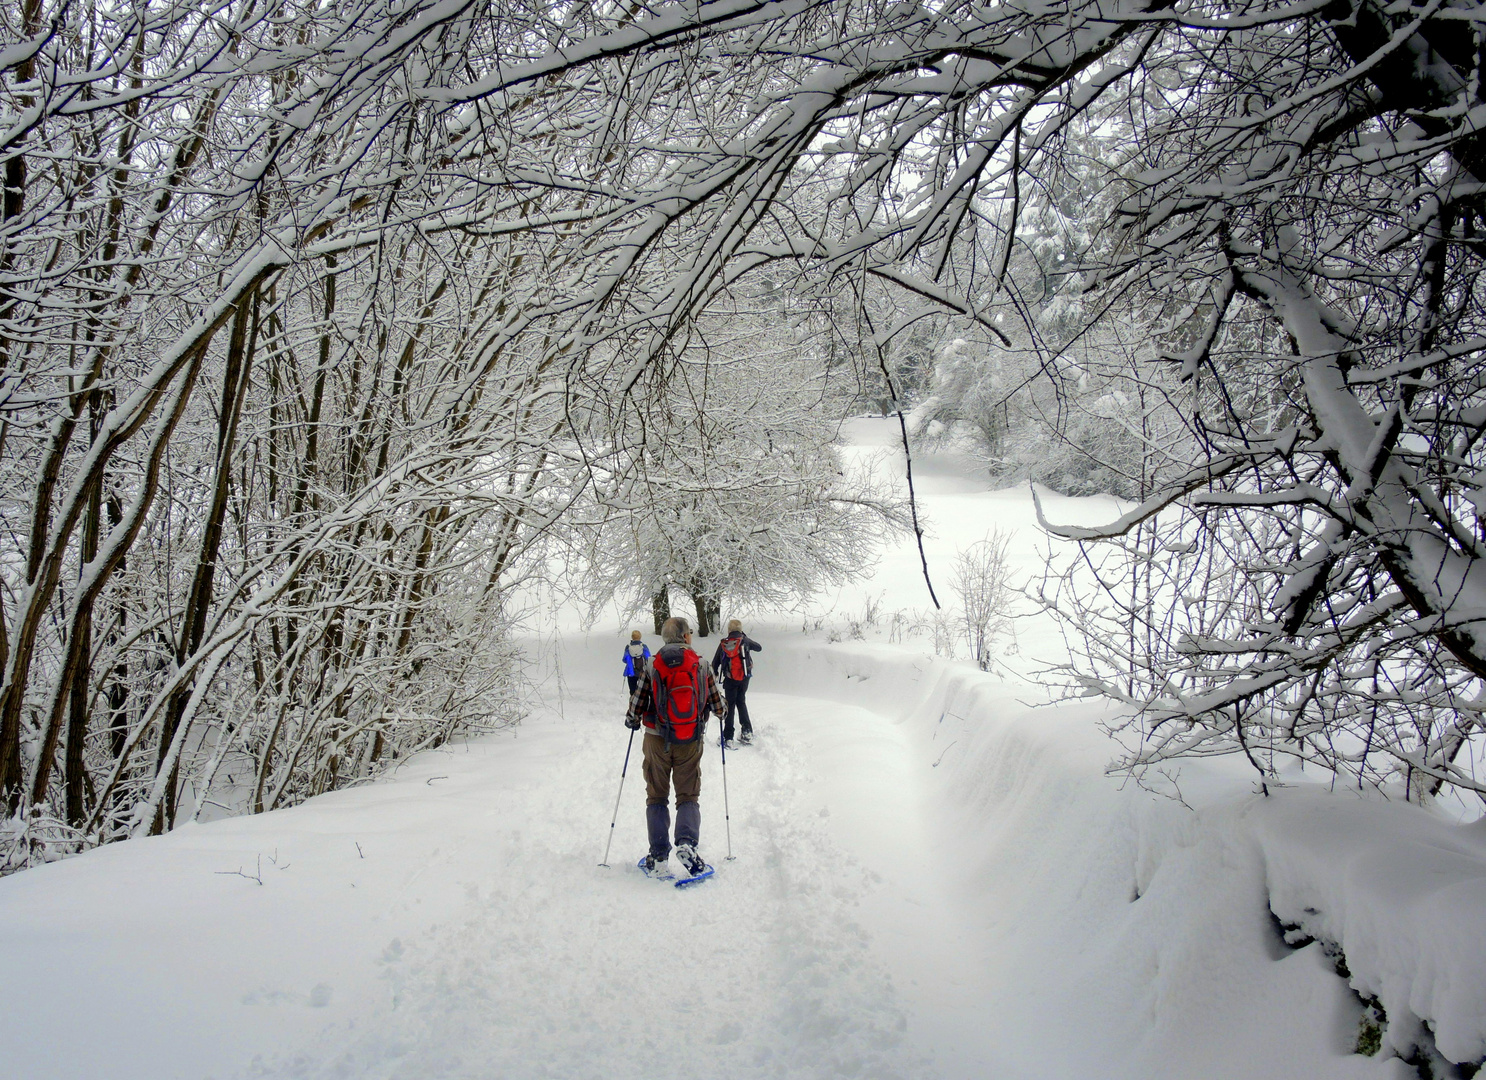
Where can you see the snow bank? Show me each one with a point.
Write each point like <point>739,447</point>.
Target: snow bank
<point>1402,894</point>
<point>1168,902</point>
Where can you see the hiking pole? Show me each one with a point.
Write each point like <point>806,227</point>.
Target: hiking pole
<point>622,771</point>
<point>726,819</point>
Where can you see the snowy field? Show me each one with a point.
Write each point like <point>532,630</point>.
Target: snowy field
<point>933,878</point>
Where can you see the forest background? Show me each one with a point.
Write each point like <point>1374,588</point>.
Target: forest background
<point>324,328</point>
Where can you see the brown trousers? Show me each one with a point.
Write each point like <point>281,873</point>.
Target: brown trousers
<point>679,763</point>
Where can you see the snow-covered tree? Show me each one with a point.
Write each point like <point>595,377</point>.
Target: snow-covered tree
<point>731,490</point>
<point>1322,301</point>
<point>306,313</point>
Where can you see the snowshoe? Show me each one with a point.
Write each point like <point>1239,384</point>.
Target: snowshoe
<point>703,875</point>
<point>690,861</point>
<point>692,866</point>
<point>747,738</point>
<point>652,867</point>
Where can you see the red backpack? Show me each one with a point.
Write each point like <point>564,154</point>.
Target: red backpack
<point>680,697</point>
<point>732,648</point>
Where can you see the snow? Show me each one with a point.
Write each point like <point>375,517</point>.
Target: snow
<point>934,878</point>
<point>1393,888</point>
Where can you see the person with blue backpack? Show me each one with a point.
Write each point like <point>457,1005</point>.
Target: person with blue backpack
<point>636,656</point>
<point>671,699</point>
<point>734,662</point>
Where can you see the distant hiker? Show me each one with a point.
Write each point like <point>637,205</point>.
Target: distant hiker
<point>734,662</point>
<point>671,700</point>
<point>635,655</point>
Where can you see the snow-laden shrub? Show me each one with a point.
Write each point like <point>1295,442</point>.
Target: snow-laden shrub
<point>1089,421</point>
<point>981,580</point>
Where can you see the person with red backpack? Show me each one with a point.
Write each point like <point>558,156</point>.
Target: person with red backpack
<point>671,700</point>
<point>734,662</point>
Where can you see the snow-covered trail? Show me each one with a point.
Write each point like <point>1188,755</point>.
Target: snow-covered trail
<point>452,922</point>
<point>822,950</point>
<point>937,887</point>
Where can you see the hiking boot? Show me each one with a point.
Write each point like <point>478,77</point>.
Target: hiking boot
<point>747,738</point>
<point>656,868</point>
<point>690,860</point>
<point>730,744</point>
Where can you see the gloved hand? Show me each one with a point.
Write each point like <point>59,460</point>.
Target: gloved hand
<point>632,722</point>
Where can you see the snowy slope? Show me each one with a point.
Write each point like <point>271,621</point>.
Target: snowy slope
<point>1129,935</point>
<point>933,879</point>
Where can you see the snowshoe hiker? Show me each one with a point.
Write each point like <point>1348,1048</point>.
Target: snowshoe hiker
<point>733,661</point>
<point>671,701</point>
<point>636,656</point>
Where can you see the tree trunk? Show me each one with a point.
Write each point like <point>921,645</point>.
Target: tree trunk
<point>193,619</point>
<point>74,771</point>
<point>709,608</point>
<point>660,606</point>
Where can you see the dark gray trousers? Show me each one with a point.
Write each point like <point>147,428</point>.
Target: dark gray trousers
<point>736,695</point>
<point>679,764</point>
